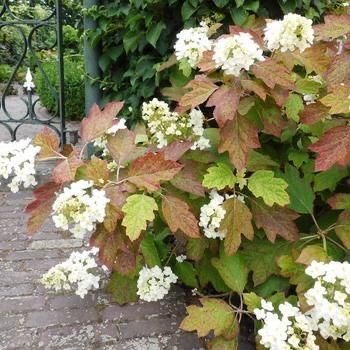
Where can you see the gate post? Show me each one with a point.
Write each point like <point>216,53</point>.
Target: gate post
<point>92,69</point>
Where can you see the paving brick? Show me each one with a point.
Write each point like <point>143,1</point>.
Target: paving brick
<point>17,338</point>
<point>56,244</point>
<point>12,245</point>
<point>16,290</point>
<point>10,321</point>
<point>10,278</point>
<point>32,255</point>
<point>22,303</point>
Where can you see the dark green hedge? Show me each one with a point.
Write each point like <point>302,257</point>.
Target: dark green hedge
<point>74,87</point>
<point>137,34</point>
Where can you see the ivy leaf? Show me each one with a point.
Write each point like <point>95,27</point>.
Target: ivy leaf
<point>95,170</point>
<point>48,142</point>
<point>339,201</point>
<point>338,100</point>
<point>122,147</point>
<point>215,314</point>
<point>153,33</point>
<point>219,176</point>
<point>272,190</point>
<point>332,148</point>
<point>294,105</point>
<point>238,137</point>
<point>225,100</point>
<point>313,113</point>
<point>312,253</point>
<point>333,27</point>
<point>273,73</point>
<point>275,221</point>
<point>179,217</point>
<point>237,222</point>
<point>343,228</point>
<point>99,121</point>
<point>261,257</point>
<point>147,171</point>
<point>138,210</point>
<point>233,270</point>
<point>300,192</point>
<point>202,88</point>
<point>40,207</point>
<point>122,288</point>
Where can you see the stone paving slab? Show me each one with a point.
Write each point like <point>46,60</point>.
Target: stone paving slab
<point>33,318</point>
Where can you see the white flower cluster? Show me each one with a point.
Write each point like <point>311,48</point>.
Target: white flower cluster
<point>17,159</point>
<point>167,126</point>
<point>330,298</point>
<point>79,207</point>
<point>192,43</point>
<point>154,283</point>
<point>291,33</point>
<point>288,329</point>
<point>77,272</point>
<point>101,142</point>
<point>213,213</point>
<point>237,52</point>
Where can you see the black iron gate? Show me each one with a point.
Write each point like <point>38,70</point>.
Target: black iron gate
<point>32,31</point>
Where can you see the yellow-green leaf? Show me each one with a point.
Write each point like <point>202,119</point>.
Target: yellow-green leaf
<point>219,176</point>
<point>271,189</point>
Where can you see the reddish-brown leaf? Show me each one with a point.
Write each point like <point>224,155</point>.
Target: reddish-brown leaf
<point>179,217</point>
<point>273,73</point>
<point>65,171</point>
<point>238,137</point>
<point>41,206</point>
<point>113,215</point>
<point>333,27</point>
<point>256,35</point>
<point>207,64</point>
<point>225,100</point>
<point>95,170</point>
<point>99,121</point>
<point>280,95</point>
<point>314,58</point>
<point>123,148</point>
<point>339,201</point>
<point>332,148</point>
<point>313,113</point>
<point>254,86</point>
<point>147,171</point>
<point>343,228</point>
<point>202,88</point>
<point>118,194</point>
<point>176,149</point>
<point>273,123</point>
<point>48,142</point>
<point>276,221</point>
<point>338,71</point>
<point>190,178</point>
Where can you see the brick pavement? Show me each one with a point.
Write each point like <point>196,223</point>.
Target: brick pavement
<point>34,318</point>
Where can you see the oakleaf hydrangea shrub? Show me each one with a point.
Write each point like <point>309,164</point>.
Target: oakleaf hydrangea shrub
<point>238,189</point>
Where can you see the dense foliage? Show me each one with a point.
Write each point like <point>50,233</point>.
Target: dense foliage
<point>137,35</point>
<point>73,87</point>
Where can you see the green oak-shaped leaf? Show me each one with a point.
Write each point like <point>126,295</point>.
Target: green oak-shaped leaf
<point>138,209</point>
<point>271,189</point>
<point>219,176</point>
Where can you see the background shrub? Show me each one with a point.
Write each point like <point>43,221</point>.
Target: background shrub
<point>74,87</point>
<point>136,35</point>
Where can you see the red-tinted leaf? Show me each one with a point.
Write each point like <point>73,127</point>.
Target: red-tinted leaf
<point>118,194</point>
<point>202,88</point>
<point>338,72</point>
<point>207,64</point>
<point>95,170</point>
<point>334,27</point>
<point>48,142</point>
<point>339,201</point>
<point>123,148</point>
<point>255,87</point>
<point>273,73</point>
<point>179,217</point>
<point>274,123</point>
<point>225,100</point>
<point>176,149</point>
<point>113,215</point>
<point>99,121</point>
<point>276,221</point>
<point>65,171</point>
<point>238,137</point>
<point>40,208</point>
<point>332,148</point>
<point>147,171</point>
<point>190,178</point>
<point>313,113</point>
<point>257,36</point>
